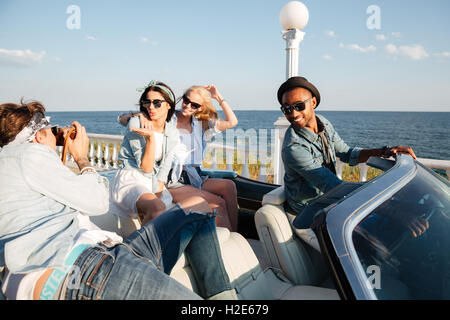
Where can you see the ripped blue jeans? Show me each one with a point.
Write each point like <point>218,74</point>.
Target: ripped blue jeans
<point>139,268</point>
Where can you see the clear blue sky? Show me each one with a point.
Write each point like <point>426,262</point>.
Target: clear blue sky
<point>237,45</point>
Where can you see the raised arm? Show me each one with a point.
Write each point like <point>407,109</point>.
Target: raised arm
<point>138,136</point>
<point>230,118</point>
<point>148,157</point>
<point>86,192</point>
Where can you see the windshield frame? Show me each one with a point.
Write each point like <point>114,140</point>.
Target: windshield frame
<point>340,222</point>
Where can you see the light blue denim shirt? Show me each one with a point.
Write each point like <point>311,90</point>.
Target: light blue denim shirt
<point>133,146</point>
<point>306,177</point>
<point>39,201</point>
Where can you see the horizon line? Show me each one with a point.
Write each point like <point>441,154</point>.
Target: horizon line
<point>336,109</point>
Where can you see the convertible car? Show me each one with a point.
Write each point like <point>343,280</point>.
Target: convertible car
<point>388,238</point>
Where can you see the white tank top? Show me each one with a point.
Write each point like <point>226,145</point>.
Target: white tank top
<point>158,145</point>
<point>194,143</point>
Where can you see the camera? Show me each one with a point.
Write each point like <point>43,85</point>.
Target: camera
<point>61,134</point>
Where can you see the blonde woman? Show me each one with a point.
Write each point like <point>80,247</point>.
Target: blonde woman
<point>197,122</point>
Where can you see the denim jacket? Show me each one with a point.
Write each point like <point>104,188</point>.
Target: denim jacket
<point>133,146</point>
<point>306,176</point>
<point>40,199</point>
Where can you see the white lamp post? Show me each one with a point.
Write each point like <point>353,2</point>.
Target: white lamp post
<point>293,18</point>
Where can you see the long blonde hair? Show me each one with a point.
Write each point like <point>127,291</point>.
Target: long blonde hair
<point>207,111</point>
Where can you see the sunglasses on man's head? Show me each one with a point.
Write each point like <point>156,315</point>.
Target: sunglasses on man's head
<point>298,106</point>
<point>194,105</point>
<point>157,103</point>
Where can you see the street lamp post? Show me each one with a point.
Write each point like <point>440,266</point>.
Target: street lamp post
<point>293,38</point>
<point>294,17</point>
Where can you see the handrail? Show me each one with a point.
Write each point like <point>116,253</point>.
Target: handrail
<point>103,154</point>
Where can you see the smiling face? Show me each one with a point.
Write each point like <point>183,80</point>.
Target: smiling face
<point>301,119</point>
<point>157,113</point>
<point>186,108</point>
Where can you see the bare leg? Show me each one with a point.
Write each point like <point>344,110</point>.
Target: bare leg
<point>195,204</point>
<point>149,206</point>
<point>227,190</point>
<point>183,193</point>
<point>214,201</point>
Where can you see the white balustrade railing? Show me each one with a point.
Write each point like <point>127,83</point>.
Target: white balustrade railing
<point>103,154</point>
<point>103,151</point>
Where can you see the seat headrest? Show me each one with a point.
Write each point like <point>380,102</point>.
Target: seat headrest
<point>276,196</point>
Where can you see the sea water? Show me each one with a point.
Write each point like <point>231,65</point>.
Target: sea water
<point>428,133</point>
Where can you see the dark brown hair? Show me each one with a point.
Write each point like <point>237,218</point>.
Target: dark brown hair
<point>165,95</point>
<point>15,117</point>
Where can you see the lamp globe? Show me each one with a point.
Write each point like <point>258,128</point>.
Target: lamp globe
<point>294,15</point>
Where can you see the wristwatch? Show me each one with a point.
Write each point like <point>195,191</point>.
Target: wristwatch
<point>384,150</point>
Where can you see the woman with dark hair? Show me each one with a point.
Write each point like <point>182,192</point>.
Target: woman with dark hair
<point>147,153</point>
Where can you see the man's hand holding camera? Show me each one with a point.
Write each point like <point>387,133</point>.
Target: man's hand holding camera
<point>78,147</point>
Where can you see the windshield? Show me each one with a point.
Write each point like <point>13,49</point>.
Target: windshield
<point>404,244</point>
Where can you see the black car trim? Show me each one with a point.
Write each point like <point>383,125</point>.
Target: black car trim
<point>339,278</point>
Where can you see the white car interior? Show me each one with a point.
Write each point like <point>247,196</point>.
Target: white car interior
<point>279,266</point>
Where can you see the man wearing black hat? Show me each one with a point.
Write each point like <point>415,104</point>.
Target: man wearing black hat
<point>311,145</point>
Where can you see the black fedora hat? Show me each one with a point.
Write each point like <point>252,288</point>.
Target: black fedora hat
<point>298,82</point>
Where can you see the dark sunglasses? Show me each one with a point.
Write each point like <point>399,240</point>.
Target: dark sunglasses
<point>298,106</point>
<point>194,105</point>
<point>157,103</point>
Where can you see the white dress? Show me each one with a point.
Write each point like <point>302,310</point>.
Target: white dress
<point>128,185</point>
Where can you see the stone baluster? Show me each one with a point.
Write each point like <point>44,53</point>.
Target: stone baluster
<point>262,155</point>
<point>91,154</point>
<point>363,172</point>
<point>213,159</point>
<point>114,156</point>
<point>262,173</point>
<point>339,166</point>
<point>99,154</point>
<point>245,172</point>
<point>59,151</point>
<point>106,156</point>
